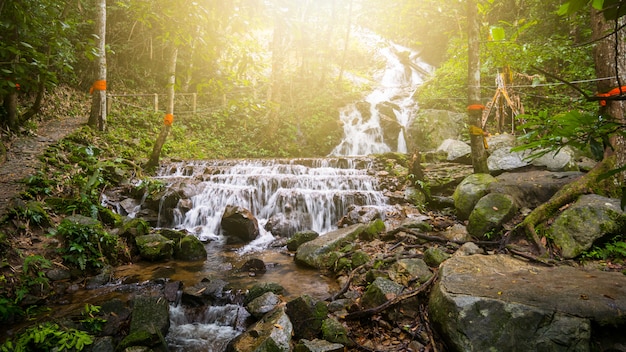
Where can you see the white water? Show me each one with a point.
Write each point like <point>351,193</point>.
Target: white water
<point>397,82</point>
<point>209,332</point>
<point>317,192</point>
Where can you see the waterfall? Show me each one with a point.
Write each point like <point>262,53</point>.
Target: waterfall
<point>311,193</point>
<point>372,126</point>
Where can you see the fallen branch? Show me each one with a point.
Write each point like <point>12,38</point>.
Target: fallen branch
<point>371,311</point>
<point>438,239</point>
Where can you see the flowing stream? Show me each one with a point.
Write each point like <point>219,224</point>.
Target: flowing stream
<point>297,194</point>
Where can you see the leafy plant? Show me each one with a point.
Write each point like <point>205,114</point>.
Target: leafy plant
<point>33,275</point>
<point>9,310</point>
<point>48,337</point>
<point>615,249</point>
<point>90,321</point>
<point>88,246</point>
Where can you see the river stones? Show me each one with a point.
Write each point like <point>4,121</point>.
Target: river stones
<point>239,225</point>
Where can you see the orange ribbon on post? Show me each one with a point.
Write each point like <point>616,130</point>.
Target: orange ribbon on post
<point>168,120</point>
<point>613,92</point>
<point>98,85</point>
<point>475,107</point>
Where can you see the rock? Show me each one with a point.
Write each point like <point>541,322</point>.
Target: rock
<point>306,316</point>
<point>500,141</point>
<point>563,159</point>
<point>254,265</point>
<point>272,333</point>
<point>431,127</point>
<point>357,214</point>
<point>263,304</point>
<point>434,256</point>
<point>505,159</point>
<point>532,188</point>
<point>406,271</point>
<point>149,322</point>
<point>318,345</point>
<point>204,292</point>
<point>490,213</point>
<point>380,291</point>
<point>154,247</point>
<point>190,249</point>
<point>259,289</point>
<point>288,223</point>
<point>334,331</point>
<point>134,228</point>
<point>469,248</point>
<point>469,191</point>
<point>315,253</point>
<point>589,219</point>
<point>456,232</point>
<point>499,303</point>
<point>455,150</point>
<point>372,230</point>
<point>116,313</point>
<point>239,225</point>
<point>103,344</point>
<point>171,290</point>
<point>58,274</point>
<point>299,238</point>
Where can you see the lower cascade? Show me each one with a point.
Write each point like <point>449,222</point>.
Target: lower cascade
<point>296,194</point>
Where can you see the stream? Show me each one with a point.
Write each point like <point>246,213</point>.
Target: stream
<point>285,196</point>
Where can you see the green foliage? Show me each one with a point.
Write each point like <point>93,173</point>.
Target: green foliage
<point>33,276</point>
<point>37,185</point>
<point>9,310</point>
<point>583,131</point>
<point>30,213</point>
<point>48,337</point>
<point>90,321</point>
<point>614,249</point>
<point>87,246</point>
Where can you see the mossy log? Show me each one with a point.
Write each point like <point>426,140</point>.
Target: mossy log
<point>569,193</point>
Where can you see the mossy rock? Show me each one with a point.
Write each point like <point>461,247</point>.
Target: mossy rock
<point>155,247</point>
<point>469,192</point>
<point>372,230</point>
<point>434,256</point>
<point>334,331</point>
<point>190,248</point>
<point>299,238</point>
<point>259,289</point>
<point>134,228</point>
<point>490,213</point>
<point>108,217</point>
<point>306,315</point>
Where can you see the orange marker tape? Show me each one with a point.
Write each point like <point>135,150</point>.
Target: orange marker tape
<point>168,120</point>
<point>98,85</point>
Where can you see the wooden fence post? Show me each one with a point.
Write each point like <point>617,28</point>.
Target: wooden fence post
<point>156,102</point>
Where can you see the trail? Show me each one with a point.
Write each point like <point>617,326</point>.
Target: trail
<point>23,155</point>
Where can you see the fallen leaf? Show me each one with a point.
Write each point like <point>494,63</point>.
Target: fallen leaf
<point>495,208</point>
<point>278,326</point>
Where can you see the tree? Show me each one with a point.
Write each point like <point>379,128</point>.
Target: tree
<point>474,107</point>
<point>98,90</point>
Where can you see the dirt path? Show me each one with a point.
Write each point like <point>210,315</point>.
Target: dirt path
<point>23,155</point>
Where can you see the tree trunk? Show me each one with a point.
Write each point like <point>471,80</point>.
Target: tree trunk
<point>10,106</point>
<point>346,43</point>
<point>609,55</point>
<point>479,157</point>
<point>98,114</point>
<point>169,116</point>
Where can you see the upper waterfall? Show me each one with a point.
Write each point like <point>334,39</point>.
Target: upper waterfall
<point>377,123</point>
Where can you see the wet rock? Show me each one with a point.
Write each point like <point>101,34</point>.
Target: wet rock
<point>259,289</point>
<point>357,214</point>
<point>314,253</point>
<point>239,225</point>
<point>306,316</point>
<point>431,127</point>
<point>456,232</point>
<point>205,292</point>
<point>500,303</point>
<point>380,291</point>
<point>589,219</point>
<point>334,331</point>
<point>116,313</point>
<point>149,323</point>
<point>469,192</point>
<point>490,213</point>
<point>171,290</point>
<point>409,270</point>
<point>318,345</point>
<point>272,333</point>
<point>103,344</point>
<point>154,247</point>
<point>286,224</point>
<point>434,256</point>
<point>373,229</point>
<point>189,248</point>
<point>134,228</point>
<point>263,304</point>
<point>455,150</point>
<point>254,265</point>
<point>299,238</point>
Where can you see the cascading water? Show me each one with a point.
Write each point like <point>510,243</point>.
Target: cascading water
<point>310,194</point>
<point>378,123</point>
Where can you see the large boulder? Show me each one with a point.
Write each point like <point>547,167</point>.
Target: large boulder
<point>190,248</point>
<point>154,247</point>
<point>315,253</point>
<point>431,127</point>
<point>499,303</point>
<point>469,192</point>
<point>149,323</point>
<point>286,224</point>
<point>272,333</point>
<point>504,159</point>
<point>239,225</point>
<point>455,150</point>
<point>490,213</point>
<point>589,219</point>
<point>306,315</point>
<point>532,188</point>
